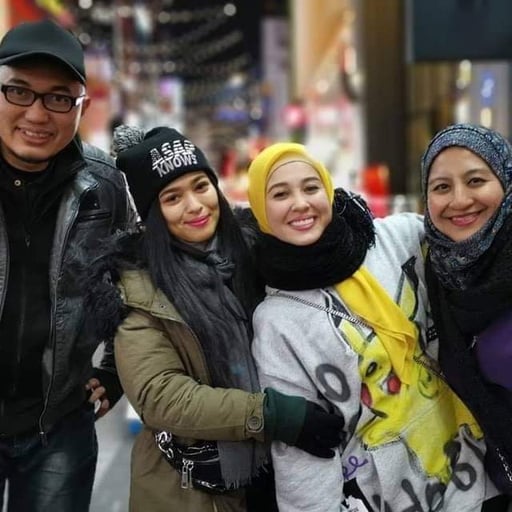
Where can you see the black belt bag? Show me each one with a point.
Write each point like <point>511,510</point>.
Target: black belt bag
<point>198,463</point>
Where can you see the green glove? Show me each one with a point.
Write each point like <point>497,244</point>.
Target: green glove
<point>284,416</point>
<point>301,423</point>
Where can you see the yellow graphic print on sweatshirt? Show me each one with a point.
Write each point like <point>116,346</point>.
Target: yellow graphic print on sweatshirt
<point>425,416</point>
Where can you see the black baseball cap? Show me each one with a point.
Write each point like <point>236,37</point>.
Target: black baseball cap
<point>43,38</point>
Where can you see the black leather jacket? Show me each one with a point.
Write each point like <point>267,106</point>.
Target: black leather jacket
<point>67,356</point>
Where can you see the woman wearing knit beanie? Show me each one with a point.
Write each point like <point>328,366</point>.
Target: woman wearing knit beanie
<point>188,289</point>
<point>467,186</point>
<point>345,324</point>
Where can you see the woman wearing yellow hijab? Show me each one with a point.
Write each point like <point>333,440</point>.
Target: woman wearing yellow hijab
<point>345,324</point>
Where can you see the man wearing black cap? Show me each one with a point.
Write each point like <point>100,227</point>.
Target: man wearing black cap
<point>57,198</point>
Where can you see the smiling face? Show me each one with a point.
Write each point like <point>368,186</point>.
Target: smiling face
<point>31,136</point>
<point>190,206</point>
<point>463,193</point>
<point>297,207</point>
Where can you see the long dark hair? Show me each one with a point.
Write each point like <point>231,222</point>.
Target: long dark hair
<point>165,255</point>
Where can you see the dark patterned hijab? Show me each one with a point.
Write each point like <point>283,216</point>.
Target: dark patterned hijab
<point>454,262</point>
<point>469,285</point>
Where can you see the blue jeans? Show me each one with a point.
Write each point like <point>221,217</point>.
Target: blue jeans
<point>57,477</point>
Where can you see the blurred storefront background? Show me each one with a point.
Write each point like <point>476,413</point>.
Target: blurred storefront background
<point>363,83</point>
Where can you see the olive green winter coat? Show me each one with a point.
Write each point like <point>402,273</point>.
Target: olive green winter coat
<point>165,377</point>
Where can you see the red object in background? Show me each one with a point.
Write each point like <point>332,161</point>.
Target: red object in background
<point>257,145</point>
<point>31,10</point>
<point>375,180</point>
<point>375,187</point>
<point>294,115</point>
<point>228,163</point>
<point>25,10</point>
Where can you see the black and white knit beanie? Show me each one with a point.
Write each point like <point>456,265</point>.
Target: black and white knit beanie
<point>151,161</point>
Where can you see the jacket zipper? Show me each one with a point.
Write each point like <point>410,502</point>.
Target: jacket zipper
<point>7,262</point>
<point>505,464</point>
<point>20,330</point>
<point>23,299</point>
<point>4,291</point>
<point>42,433</point>
<point>28,215</point>
<point>186,474</point>
<point>430,368</point>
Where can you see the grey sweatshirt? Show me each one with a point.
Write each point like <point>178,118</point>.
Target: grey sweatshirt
<point>404,447</point>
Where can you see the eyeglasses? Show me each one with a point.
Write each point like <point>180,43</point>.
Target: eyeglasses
<point>23,97</point>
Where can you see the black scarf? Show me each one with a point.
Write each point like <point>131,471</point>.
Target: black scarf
<point>459,314</point>
<point>229,363</point>
<point>335,256</point>
<point>224,335</point>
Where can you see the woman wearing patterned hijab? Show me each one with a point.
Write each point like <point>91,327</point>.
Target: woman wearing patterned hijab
<point>467,186</point>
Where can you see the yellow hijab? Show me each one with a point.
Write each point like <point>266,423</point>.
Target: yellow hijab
<point>362,293</point>
<point>266,163</point>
